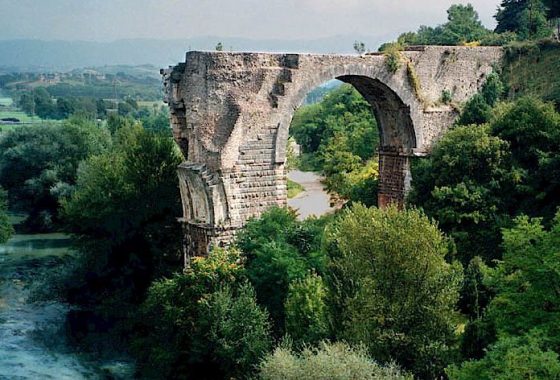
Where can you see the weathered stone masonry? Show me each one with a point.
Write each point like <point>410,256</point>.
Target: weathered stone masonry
<point>230,114</point>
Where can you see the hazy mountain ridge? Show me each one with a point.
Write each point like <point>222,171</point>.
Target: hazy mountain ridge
<point>39,55</point>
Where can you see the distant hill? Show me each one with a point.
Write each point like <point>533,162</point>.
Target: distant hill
<point>38,55</point>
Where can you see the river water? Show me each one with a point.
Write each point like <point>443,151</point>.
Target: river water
<point>314,200</point>
<point>32,337</point>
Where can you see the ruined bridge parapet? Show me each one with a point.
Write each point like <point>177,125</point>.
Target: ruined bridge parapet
<point>230,113</point>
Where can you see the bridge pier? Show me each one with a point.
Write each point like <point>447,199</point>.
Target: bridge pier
<point>394,177</point>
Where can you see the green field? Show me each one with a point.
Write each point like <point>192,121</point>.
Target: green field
<point>151,104</point>
<point>20,115</point>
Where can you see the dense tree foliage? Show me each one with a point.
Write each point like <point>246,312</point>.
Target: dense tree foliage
<point>279,249</point>
<point>516,20</point>
<point>463,185</point>
<point>511,358</point>
<point>395,291</point>
<point>463,26</point>
<point>214,329</point>
<point>526,18</point>
<point>123,214</point>
<point>525,310</point>
<point>307,318</point>
<point>478,177</point>
<point>5,226</point>
<point>527,282</point>
<point>128,198</point>
<point>532,129</point>
<point>39,164</point>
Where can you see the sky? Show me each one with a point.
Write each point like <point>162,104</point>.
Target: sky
<point>108,20</point>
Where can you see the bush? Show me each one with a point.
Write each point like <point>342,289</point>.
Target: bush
<point>527,281</point>
<point>393,57</point>
<point>332,361</point>
<point>532,129</point>
<point>476,111</point>
<point>466,185</point>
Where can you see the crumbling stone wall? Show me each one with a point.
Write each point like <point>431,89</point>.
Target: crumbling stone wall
<point>230,114</point>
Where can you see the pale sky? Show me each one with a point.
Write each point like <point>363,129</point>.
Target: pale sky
<point>107,20</point>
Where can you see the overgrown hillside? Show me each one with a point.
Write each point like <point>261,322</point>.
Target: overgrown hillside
<point>532,69</point>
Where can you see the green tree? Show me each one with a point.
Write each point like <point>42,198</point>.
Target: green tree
<point>527,281</point>
<point>6,229</point>
<point>463,25</point>
<point>306,310</point>
<point>525,311</point>
<point>188,319</point>
<point>123,213</point>
<point>527,18</point>
<point>232,331</point>
<point>510,358</point>
<point>398,293</point>
<point>466,185</point>
<point>476,111</point>
<point>39,164</point>
<point>532,129</point>
<point>38,102</point>
<point>341,135</point>
<point>475,294</point>
<point>279,250</point>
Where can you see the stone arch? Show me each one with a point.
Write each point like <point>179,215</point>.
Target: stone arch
<point>398,135</point>
<point>392,114</point>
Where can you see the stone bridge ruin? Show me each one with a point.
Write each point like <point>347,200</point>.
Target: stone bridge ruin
<point>230,114</point>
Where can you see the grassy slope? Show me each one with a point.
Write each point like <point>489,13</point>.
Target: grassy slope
<point>534,71</point>
<point>294,189</point>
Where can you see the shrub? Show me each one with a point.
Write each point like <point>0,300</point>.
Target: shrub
<point>393,57</point>
<point>171,323</point>
<point>332,361</point>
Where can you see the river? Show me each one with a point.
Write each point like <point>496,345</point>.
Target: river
<point>32,337</point>
<point>314,200</point>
